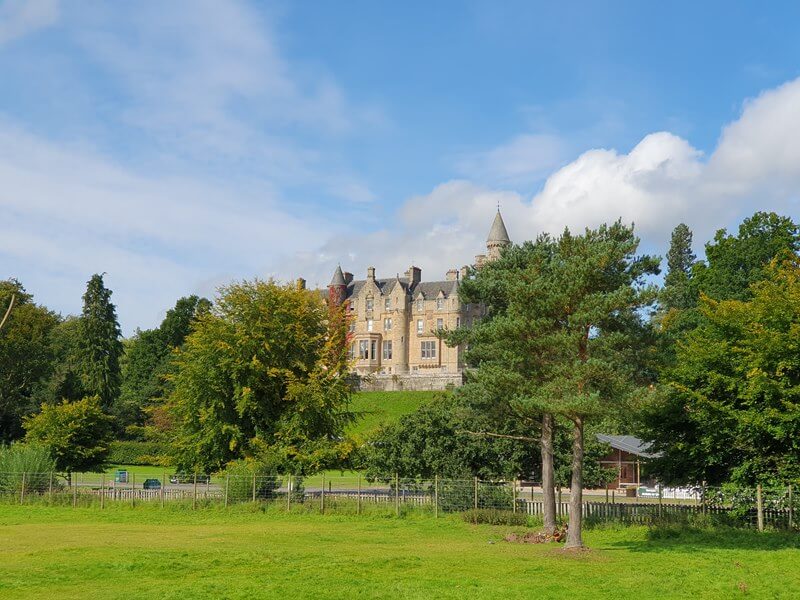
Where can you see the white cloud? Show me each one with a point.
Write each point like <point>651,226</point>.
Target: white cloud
<point>18,18</point>
<point>662,181</point>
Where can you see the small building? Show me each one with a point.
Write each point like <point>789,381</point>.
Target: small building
<point>626,458</point>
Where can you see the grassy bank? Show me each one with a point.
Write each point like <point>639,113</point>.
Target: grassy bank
<point>244,553</point>
<point>379,408</point>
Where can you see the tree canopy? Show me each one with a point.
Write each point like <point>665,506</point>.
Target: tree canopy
<point>265,368</point>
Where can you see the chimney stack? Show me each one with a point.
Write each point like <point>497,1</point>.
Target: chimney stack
<point>452,275</point>
<point>371,273</point>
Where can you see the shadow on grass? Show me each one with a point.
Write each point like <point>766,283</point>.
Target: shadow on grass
<point>667,538</point>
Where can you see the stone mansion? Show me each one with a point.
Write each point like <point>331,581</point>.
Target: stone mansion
<point>394,322</point>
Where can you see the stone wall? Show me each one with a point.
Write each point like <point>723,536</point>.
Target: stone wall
<point>407,382</point>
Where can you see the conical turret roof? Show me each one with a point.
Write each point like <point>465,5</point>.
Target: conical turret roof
<point>498,231</point>
<point>338,277</point>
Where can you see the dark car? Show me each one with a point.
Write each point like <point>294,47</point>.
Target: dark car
<point>151,484</point>
<point>188,478</point>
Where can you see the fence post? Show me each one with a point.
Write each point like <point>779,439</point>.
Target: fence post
<point>50,489</point>
<point>558,512</point>
<point>289,493</point>
<point>397,494</point>
<point>606,493</point>
<point>103,491</point>
<point>163,485</point>
<point>74,482</point>
<point>133,489</point>
<point>791,509</point>
<point>254,486</point>
<point>194,493</point>
<point>514,496</point>
<point>475,499</point>
<point>759,508</point>
<point>436,496</point>
<point>660,501</point>
<point>22,489</point>
<point>227,479</point>
<point>322,497</point>
<point>358,502</point>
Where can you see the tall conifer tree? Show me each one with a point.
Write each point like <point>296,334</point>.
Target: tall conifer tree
<point>100,343</point>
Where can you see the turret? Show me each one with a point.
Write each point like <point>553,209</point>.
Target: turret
<point>497,239</point>
<point>337,288</point>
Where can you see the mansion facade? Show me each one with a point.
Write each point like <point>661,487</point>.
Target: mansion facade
<point>395,322</point>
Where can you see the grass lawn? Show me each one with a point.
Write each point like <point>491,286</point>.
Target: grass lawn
<point>145,552</point>
<point>378,408</point>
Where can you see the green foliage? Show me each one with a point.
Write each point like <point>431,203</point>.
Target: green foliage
<point>730,409</point>
<point>25,356</point>
<point>146,363</point>
<point>34,461</point>
<point>493,516</point>
<point>435,440</point>
<point>77,434</point>
<point>100,344</point>
<point>243,474</point>
<point>679,291</point>
<point>131,452</point>
<point>266,368</point>
<point>65,379</point>
<point>734,263</point>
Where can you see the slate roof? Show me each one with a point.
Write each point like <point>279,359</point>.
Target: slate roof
<point>498,231</point>
<point>627,443</point>
<point>430,289</point>
<point>338,277</point>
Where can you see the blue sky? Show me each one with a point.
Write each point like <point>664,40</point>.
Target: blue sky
<point>179,145</point>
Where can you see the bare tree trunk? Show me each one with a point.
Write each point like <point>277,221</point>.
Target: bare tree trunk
<point>8,312</point>
<point>574,537</point>
<point>548,477</point>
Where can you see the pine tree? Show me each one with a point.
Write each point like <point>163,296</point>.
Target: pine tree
<point>100,343</point>
<point>678,292</point>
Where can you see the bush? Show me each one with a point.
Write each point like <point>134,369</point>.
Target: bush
<point>34,461</point>
<point>492,516</point>
<point>137,453</point>
<point>459,494</point>
<point>240,481</point>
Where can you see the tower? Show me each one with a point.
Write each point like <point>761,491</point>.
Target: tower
<point>498,238</point>
<point>337,288</point>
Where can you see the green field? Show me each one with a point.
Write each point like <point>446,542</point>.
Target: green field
<point>378,408</point>
<point>148,552</point>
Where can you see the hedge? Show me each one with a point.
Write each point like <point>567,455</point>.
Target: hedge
<point>137,453</point>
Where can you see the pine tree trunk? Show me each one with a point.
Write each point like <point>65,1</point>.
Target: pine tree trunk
<point>548,477</point>
<point>574,537</point>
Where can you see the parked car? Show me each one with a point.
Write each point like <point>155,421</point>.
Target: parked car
<point>188,478</point>
<point>151,484</point>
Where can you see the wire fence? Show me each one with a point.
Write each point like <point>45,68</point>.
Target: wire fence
<point>759,507</point>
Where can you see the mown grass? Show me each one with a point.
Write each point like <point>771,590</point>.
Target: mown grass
<point>247,553</point>
<point>374,409</point>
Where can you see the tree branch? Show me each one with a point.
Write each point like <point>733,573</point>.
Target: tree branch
<point>521,438</point>
<point>8,312</point>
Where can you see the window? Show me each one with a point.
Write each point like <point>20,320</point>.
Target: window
<point>363,349</point>
<point>458,321</point>
<point>369,303</point>
<point>420,304</point>
<point>439,324</point>
<point>419,325</point>
<point>387,350</point>
<point>351,352</point>
<point>428,349</point>
<point>373,348</point>
<point>352,327</point>
<point>387,324</point>
<point>439,303</point>
<point>387,304</point>
<point>370,324</point>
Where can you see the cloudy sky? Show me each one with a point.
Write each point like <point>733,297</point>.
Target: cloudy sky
<point>179,145</point>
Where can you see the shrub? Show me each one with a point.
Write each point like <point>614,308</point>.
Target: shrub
<point>34,461</point>
<point>492,516</point>
<point>137,453</point>
<point>240,478</point>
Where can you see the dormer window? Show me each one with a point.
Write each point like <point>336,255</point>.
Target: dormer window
<point>420,304</point>
<point>439,303</point>
<point>387,304</point>
<point>369,303</point>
